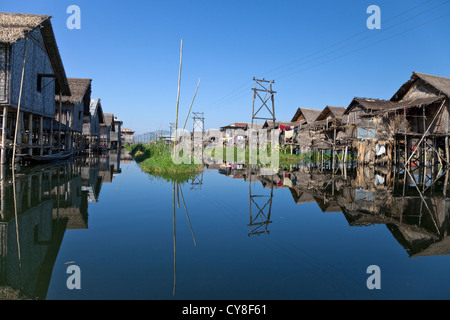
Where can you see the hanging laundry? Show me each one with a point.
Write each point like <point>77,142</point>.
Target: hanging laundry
<point>379,150</point>
<point>289,134</point>
<point>287,182</point>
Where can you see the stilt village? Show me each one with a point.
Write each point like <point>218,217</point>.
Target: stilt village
<point>45,114</point>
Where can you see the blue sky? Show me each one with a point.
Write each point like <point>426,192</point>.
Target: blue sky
<point>131,50</point>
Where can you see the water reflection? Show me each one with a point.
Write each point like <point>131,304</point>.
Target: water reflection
<point>38,204</point>
<point>412,203</point>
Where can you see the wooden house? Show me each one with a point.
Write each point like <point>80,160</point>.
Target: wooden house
<point>415,118</point>
<point>383,119</point>
<point>70,111</point>
<point>106,128</point>
<point>127,136</point>
<point>234,132</point>
<point>116,134</point>
<point>304,117</point>
<point>327,129</point>
<point>31,73</point>
<point>428,124</point>
<point>91,125</point>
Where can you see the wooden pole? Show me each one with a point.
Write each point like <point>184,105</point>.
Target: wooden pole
<point>428,129</point>
<point>18,105</point>
<point>50,150</point>
<point>30,134</point>
<point>4,125</point>
<point>41,135</point>
<point>189,112</point>
<point>60,121</point>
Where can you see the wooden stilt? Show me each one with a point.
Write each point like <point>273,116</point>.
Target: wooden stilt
<point>51,142</point>
<point>4,126</point>
<point>41,135</point>
<point>30,134</point>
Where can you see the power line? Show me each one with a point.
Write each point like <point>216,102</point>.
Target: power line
<point>240,91</point>
<point>374,34</point>
<point>370,45</point>
<point>345,40</point>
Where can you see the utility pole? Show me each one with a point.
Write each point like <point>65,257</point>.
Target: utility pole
<point>266,111</point>
<point>199,122</point>
<point>263,87</point>
<point>199,125</point>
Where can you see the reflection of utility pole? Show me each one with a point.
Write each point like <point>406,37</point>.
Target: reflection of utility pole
<point>197,181</point>
<point>259,222</point>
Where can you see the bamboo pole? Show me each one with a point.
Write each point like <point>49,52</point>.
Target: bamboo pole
<point>4,125</point>
<point>426,132</point>
<point>187,214</point>
<point>18,104</point>
<point>189,112</point>
<point>178,94</point>
<point>174,241</point>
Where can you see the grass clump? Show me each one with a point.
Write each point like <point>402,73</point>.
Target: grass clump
<point>156,157</point>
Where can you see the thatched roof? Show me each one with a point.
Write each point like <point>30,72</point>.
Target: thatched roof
<point>79,88</point>
<point>441,84</point>
<point>335,112</point>
<point>109,120</point>
<point>379,106</point>
<point>16,26</point>
<point>309,115</point>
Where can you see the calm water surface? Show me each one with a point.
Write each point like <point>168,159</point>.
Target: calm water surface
<point>226,234</point>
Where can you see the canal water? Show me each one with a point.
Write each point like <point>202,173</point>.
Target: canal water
<point>101,228</point>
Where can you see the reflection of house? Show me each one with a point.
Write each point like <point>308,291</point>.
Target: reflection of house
<point>48,202</point>
<point>50,199</point>
<point>419,220</point>
<point>90,180</point>
<point>27,43</point>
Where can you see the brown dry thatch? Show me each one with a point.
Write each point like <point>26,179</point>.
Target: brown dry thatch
<point>377,106</point>
<point>14,26</point>
<point>309,115</point>
<point>441,84</point>
<point>334,112</point>
<point>78,87</point>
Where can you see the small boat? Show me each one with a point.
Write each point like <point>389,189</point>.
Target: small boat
<point>50,157</point>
